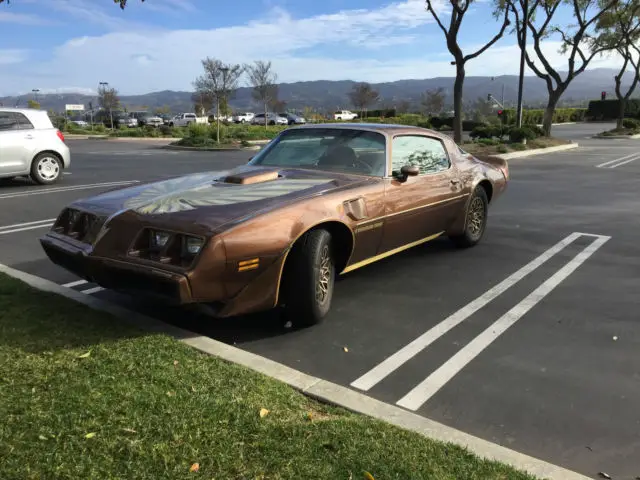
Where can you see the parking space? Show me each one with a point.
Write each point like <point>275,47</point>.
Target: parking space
<point>528,340</point>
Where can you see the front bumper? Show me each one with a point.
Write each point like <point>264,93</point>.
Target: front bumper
<point>118,275</point>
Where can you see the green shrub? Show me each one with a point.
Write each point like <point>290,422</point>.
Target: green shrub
<point>198,130</point>
<point>488,141</point>
<point>536,116</point>
<point>608,109</point>
<point>518,146</point>
<point>517,135</point>
<point>631,123</point>
<point>538,131</point>
<point>165,130</point>
<point>502,148</point>
<point>99,128</point>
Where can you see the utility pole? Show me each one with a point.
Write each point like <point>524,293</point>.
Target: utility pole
<point>35,94</point>
<point>523,50</point>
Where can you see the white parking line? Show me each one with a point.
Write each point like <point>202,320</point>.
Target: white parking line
<point>434,382</point>
<point>21,227</point>
<point>42,191</point>
<point>93,290</point>
<point>395,361</point>
<point>75,284</point>
<point>620,161</point>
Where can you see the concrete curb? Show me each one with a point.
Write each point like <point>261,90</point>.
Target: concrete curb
<point>312,386</point>
<point>537,151</point>
<point>208,149</point>
<point>557,124</point>
<point>618,137</point>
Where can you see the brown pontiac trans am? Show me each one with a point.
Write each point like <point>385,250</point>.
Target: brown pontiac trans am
<point>317,201</point>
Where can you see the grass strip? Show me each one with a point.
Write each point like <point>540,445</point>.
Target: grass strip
<point>83,395</point>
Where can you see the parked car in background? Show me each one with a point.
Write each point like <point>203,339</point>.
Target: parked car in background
<point>79,121</point>
<point>272,119</point>
<point>30,145</point>
<point>151,120</point>
<point>317,202</point>
<point>125,121</point>
<point>292,118</point>
<point>185,119</point>
<point>243,117</point>
<point>344,115</point>
<point>166,118</point>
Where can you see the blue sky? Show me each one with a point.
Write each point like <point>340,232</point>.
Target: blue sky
<point>71,45</point>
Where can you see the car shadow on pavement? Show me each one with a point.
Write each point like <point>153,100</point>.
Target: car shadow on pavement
<point>272,323</point>
<point>16,182</point>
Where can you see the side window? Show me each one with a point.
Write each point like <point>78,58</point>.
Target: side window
<point>425,152</point>
<point>8,121</point>
<point>23,122</point>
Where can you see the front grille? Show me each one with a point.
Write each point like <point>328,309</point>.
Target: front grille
<point>130,281</point>
<point>173,252</point>
<point>79,225</point>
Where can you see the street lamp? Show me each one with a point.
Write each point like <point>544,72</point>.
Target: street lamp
<point>106,84</point>
<point>35,94</point>
<point>502,96</point>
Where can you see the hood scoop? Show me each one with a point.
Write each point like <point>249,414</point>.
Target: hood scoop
<point>246,178</point>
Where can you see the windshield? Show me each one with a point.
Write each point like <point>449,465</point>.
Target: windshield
<point>330,149</point>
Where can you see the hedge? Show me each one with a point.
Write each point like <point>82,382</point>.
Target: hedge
<point>536,116</point>
<point>608,109</point>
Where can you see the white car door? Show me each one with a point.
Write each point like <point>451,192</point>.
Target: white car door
<point>17,140</point>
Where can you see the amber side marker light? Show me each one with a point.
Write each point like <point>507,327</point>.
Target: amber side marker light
<point>246,265</point>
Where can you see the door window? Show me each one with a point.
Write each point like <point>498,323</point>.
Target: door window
<point>22,122</point>
<point>8,121</point>
<point>427,153</point>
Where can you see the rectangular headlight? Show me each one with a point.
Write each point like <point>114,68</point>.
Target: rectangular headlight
<point>192,245</point>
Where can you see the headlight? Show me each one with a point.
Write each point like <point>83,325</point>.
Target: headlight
<point>159,239</point>
<point>192,245</point>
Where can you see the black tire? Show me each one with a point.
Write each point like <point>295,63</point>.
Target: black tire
<point>303,273</point>
<point>475,220</point>
<point>46,168</point>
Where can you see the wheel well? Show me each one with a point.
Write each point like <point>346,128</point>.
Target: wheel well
<point>342,246</point>
<point>488,188</point>
<point>50,152</point>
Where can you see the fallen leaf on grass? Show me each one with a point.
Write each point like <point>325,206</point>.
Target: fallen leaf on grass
<point>171,394</point>
<point>85,355</point>
<point>263,412</point>
<point>129,430</point>
<point>90,435</point>
<point>175,363</point>
<point>195,467</point>
<point>368,476</point>
<point>42,437</point>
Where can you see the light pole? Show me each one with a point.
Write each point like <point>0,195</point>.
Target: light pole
<point>35,94</point>
<point>223,91</point>
<point>105,85</point>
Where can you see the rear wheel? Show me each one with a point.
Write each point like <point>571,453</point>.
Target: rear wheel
<point>310,278</point>
<point>475,220</point>
<point>46,168</point>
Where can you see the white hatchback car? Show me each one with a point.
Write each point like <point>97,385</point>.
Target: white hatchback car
<point>31,145</point>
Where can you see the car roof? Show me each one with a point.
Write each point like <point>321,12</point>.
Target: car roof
<point>384,128</point>
<point>38,117</point>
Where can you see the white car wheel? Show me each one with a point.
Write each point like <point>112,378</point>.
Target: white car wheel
<point>45,169</point>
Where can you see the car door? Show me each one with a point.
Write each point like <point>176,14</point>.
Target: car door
<point>423,205</point>
<point>17,140</point>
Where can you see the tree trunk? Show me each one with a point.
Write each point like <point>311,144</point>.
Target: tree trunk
<point>457,102</point>
<point>217,120</point>
<point>265,116</point>
<point>547,120</point>
<point>622,104</point>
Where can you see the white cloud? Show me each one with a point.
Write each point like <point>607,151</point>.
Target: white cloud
<point>12,56</point>
<point>139,61</point>
<point>23,19</point>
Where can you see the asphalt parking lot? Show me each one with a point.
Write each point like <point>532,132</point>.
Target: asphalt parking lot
<point>529,340</point>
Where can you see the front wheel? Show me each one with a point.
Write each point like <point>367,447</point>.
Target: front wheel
<point>475,220</point>
<point>45,169</point>
<point>309,279</point>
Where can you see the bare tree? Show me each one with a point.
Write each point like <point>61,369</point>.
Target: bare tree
<point>619,28</point>
<point>220,81</point>
<point>202,102</point>
<point>577,41</point>
<point>362,96</point>
<point>108,99</point>
<point>433,100</point>
<point>263,80</point>
<point>460,8</point>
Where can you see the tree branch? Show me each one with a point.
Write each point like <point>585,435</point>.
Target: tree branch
<point>505,24</point>
<point>436,18</point>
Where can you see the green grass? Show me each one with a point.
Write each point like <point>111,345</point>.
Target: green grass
<point>82,395</point>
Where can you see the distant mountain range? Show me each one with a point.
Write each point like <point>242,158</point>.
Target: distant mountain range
<point>324,95</point>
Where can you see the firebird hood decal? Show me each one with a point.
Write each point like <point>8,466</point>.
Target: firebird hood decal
<point>189,193</point>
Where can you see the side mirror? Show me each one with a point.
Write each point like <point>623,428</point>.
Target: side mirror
<point>408,171</point>
<point>250,158</point>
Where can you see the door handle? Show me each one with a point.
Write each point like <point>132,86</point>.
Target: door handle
<point>29,137</point>
<point>455,182</point>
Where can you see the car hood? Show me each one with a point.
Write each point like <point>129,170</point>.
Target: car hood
<point>210,200</point>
